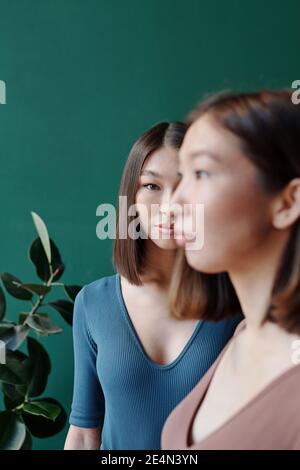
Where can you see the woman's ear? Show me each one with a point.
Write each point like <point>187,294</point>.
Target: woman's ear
<point>286,209</point>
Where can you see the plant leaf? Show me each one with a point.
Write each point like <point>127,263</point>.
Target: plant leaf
<point>27,444</point>
<point>40,366</point>
<point>15,364</point>
<point>43,234</point>
<point>72,290</point>
<point>42,323</point>
<point>42,408</point>
<point>38,257</point>
<point>42,427</point>
<point>8,376</point>
<point>6,331</point>
<point>65,308</point>
<point>13,431</point>
<point>14,394</point>
<point>22,317</point>
<point>37,288</point>
<point>10,283</point>
<point>13,335</point>
<point>2,304</point>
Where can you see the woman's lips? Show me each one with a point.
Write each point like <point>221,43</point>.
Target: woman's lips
<point>166,228</point>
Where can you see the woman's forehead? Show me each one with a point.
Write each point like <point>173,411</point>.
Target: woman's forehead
<point>206,137</point>
<point>164,157</point>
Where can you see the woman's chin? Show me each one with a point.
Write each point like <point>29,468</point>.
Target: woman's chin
<point>197,261</point>
<point>169,244</point>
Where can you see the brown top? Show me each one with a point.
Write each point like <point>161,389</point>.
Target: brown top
<point>271,420</point>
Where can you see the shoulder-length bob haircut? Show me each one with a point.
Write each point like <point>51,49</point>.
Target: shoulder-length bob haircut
<point>268,126</point>
<point>128,254</point>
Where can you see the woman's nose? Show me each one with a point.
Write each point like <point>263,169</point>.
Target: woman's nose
<point>166,210</point>
<point>178,195</point>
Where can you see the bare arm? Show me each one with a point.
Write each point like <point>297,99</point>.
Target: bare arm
<point>83,438</point>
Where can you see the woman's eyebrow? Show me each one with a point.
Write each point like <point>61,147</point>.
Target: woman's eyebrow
<point>151,173</point>
<point>204,153</point>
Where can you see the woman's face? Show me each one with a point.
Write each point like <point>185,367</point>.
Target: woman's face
<point>237,212</point>
<point>158,179</point>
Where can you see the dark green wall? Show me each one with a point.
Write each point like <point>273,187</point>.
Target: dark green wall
<point>84,78</point>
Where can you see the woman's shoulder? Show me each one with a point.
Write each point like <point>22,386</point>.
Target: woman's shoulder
<point>95,301</point>
<point>227,326</point>
<point>99,291</point>
<point>103,283</point>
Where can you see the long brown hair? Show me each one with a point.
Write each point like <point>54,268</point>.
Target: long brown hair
<point>268,126</point>
<point>128,255</point>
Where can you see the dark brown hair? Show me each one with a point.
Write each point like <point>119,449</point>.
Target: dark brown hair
<point>128,255</point>
<point>268,126</point>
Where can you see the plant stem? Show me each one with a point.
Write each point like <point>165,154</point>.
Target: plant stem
<point>40,299</point>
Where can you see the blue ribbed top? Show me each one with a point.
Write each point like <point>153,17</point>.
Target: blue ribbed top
<point>116,384</point>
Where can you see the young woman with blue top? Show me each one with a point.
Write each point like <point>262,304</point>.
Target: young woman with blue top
<point>134,362</point>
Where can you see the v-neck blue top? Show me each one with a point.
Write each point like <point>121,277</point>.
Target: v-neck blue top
<point>116,384</point>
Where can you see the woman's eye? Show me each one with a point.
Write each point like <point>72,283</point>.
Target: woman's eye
<point>201,174</point>
<point>151,186</point>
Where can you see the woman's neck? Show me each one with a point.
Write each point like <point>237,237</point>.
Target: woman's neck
<point>158,264</point>
<point>254,279</point>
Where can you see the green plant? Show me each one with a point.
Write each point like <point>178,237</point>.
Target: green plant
<point>24,376</point>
